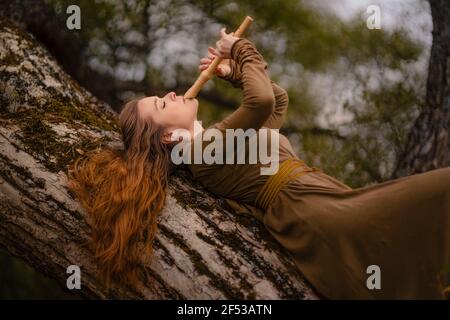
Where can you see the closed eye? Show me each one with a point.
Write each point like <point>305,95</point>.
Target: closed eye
<point>164,104</point>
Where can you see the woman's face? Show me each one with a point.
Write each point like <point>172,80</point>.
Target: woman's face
<point>171,111</point>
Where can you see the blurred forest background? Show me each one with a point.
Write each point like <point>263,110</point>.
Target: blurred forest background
<point>354,92</point>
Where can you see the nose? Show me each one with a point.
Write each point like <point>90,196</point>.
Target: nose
<point>173,95</point>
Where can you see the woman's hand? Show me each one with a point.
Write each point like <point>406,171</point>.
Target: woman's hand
<point>224,45</point>
<point>222,70</point>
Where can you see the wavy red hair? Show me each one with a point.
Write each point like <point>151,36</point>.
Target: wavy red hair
<point>123,191</point>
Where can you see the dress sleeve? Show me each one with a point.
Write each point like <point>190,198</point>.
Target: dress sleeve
<point>278,116</point>
<point>258,97</point>
<point>276,119</point>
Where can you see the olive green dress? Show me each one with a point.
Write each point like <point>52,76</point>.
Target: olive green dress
<point>333,232</point>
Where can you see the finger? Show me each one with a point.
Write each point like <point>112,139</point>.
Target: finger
<point>220,71</point>
<point>211,51</point>
<point>205,60</point>
<point>215,52</point>
<point>210,54</point>
<point>222,32</point>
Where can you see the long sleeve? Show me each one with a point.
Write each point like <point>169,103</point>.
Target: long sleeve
<point>276,119</point>
<point>258,96</point>
<point>278,116</point>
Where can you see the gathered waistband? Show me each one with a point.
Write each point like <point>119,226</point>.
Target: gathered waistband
<point>274,184</point>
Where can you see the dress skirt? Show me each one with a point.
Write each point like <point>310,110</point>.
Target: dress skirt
<point>341,238</point>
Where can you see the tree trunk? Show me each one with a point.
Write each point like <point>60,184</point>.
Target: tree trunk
<point>428,143</point>
<point>202,249</point>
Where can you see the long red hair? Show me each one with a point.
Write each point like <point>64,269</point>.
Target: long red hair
<point>123,191</point>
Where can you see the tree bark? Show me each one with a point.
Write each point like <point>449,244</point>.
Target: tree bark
<point>428,143</point>
<point>203,250</point>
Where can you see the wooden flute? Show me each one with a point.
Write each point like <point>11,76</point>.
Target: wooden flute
<point>207,74</point>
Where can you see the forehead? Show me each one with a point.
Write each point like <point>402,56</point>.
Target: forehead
<point>146,106</point>
<point>147,101</point>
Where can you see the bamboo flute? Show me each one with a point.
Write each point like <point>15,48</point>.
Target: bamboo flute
<point>207,74</point>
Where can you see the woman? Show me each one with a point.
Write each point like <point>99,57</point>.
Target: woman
<point>389,240</point>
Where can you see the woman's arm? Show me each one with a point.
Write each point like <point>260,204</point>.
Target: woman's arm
<point>258,97</point>
<point>278,116</point>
